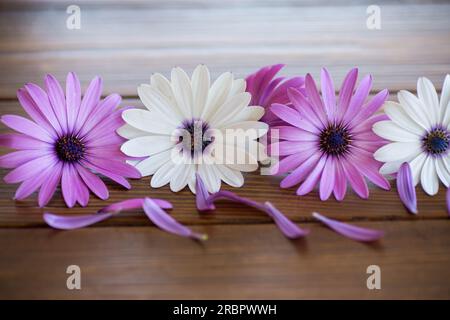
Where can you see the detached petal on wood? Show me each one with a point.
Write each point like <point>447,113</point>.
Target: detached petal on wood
<point>350,231</point>
<point>165,222</point>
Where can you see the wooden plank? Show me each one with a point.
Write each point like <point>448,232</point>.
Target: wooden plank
<point>115,43</point>
<point>381,204</point>
<point>238,262</point>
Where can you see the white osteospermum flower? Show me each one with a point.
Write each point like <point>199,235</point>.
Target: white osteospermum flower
<point>419,131</point>
<point>186,130</point>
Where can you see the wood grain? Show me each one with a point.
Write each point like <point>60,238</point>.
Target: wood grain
<point>246,256</point>
<point>239,262</point>
<point>125,45</point>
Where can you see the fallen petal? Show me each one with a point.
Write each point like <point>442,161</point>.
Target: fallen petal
<point>286,226</point>
<point>164,221</point>
<point>405,188</point>
<point>131,204</point>
<point>202,195</point>
<point>234,197</point>
<point>350,231</point>
<point>74,222</point>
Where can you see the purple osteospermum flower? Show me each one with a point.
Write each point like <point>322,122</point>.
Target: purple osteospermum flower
<point>266,89</point>
<point>330,141</point>
<point>67,138</point>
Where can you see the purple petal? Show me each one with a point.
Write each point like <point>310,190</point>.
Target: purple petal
<point>69,192</point>
<point>48,187</point>
<point>17,158</point>
<point>355,179</point>
<point>74,222</point>
<point>90,99</point>
<point>23,142</point>
<point>94,183</point>
<point>73,99</point>
<point>286,226</point>
<point>117,167</point>
<point>350,231</point>
<point>30,169</point>
<point>103,109</point>
<point>234,197</point>
<point>358,98</point>
<point>313,178</point>
<point>202,195</point>
<point>40,97</point>
<point>302,171</point>
<point>345,94</point>
<point>405,188</point>
<point>371,107</point>
<point>115,177</point>
<point>27,127</point>
<point>164,221</point>
<point>293,117</point>
<point>57,100</point>
<point>327,179</point>
<point>34,112</point>
<point>312,93</point>
<point>131,204</point>
<point>328,94</point>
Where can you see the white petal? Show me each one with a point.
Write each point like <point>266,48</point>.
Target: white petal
<point>416,167</point>
<point>251,113</point>
<point>429,178</point>
<point>243,167</point>
<point>237,87</point>
<point>218,94</point>
<point>390,167</point>
<point>445,96</point>
<point>414,108</point>
<point>397,151</point>
<point>235,157</point>
<point>159,82</point>
<point>200,89</point>
<point>446,160</point>
<point>182,91</point>
<point>442,171</point>
<point>192,181</point>
<point>229,109</point>
<point>128,132</point>
<point>390,131</point>
<point>231,177</point>
<point>180,176</point>
<point>149,166</point>
<point>400,117</point>
<point>210,176</point>
<point>157,102</point>
<point>252,128</point>
<point>163,175</point>
<point>147,121</point>
<point>146,146</point>
<point>429,98</point>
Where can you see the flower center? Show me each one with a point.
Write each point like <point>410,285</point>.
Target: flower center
<point>334,139</point>
<point>194,138</point>
<point>436,141</point>
<point>69,148</point>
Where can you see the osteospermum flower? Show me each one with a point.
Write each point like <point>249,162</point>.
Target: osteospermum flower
<point>267,89</point>
<point>329,140</point>
<point>184,130</point>
<point>419,131</point>
<point>67,140</point>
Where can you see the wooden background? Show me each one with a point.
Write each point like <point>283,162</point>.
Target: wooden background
<point>246,256</point>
